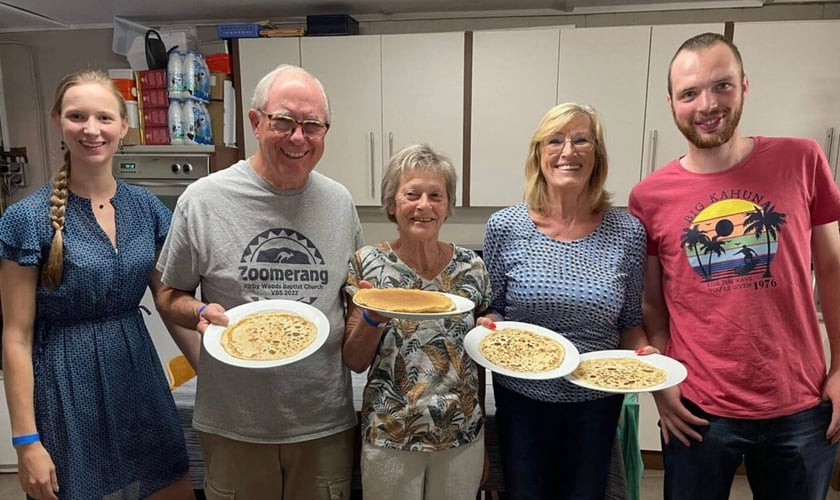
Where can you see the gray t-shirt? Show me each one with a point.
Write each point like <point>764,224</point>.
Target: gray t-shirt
<point>243,240</point>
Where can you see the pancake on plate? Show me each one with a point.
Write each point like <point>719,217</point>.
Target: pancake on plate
<point>268,336</point>
<point>522,351</point>
<point>406,300</point>
<point>620,373</point>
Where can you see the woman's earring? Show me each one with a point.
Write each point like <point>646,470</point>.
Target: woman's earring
<point>121,146</point>
<point>63,145</point>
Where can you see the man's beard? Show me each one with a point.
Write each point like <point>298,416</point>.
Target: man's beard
<point>707,141</point>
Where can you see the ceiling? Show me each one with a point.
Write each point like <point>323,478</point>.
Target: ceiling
<point>36,15</point>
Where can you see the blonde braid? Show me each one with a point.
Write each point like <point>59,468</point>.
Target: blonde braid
<point>53,271</point>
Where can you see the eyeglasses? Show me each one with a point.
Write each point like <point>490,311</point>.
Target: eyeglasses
<point>579,143</point>
<point>285,124</point>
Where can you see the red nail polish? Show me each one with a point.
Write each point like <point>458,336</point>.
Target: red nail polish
<point>640,350</point>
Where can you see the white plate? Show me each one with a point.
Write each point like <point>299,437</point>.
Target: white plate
<point>462,305</point>
<point>477,334</point>
<point>213,334</point>
<point>674,370</point>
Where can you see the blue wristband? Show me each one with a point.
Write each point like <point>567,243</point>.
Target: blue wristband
<point>201,310</point>
<point>370,320</point>
<point>25,439</point>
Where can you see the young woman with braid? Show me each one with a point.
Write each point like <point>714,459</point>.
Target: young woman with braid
<point>91,413</point>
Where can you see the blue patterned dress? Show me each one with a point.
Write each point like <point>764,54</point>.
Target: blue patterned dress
<point>102,403</point>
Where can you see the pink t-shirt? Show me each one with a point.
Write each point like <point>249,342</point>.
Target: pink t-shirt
<point>735,252</point>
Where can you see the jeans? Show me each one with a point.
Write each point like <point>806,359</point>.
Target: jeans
<point>555,451</point>
<point>785,458</point>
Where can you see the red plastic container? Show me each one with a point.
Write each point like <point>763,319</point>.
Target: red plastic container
<point>219,62</point>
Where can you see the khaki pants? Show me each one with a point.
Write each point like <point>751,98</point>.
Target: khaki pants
<point>319,469</point>
<point>453,474</point>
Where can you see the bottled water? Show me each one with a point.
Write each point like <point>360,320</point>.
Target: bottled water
<point>188,119</point>
<point>176,123</point>
<point>175,75</point>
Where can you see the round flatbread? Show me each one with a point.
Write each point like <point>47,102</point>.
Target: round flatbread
<point>406,300</point>
<point>268,336</point>
<point>620,373</point>
<point>522,351</point>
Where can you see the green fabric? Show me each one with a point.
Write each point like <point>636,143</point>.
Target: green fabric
<point>628,438</point>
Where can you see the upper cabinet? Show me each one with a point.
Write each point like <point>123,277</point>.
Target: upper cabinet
<point>350,70</point>
<point>385,92</point>
<point>794,81</point>
<point>620,71</point>
<point>258,56</point>
<point>663,142</point>
<point>611,77</point>
<point>514,82</point>
<point>423,95</point>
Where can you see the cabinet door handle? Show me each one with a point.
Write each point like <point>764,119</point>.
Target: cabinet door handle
<point>829,139</point>
<point>651,152</point>
<point>390,144</point>
<point>372,169</point>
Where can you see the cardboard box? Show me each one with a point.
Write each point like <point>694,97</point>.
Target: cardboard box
<point>133,137</point>
<point>217,85</point>
<point>156,135</point>
<point>152,79</point>
<point>223,157</point>
<point>155,117</point>
<point>154,98</point>
<point>217,121</point>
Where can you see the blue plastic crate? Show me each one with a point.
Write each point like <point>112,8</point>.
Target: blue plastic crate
<point>238,30</point>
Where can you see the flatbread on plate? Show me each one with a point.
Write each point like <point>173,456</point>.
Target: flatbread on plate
<point>407,300</point>
<point>268,336</point>
<point>522,351</point>
<point>620,373</point>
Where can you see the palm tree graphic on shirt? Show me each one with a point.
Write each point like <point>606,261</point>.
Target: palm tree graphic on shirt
<point>765,220</point>
<point>731,238</point>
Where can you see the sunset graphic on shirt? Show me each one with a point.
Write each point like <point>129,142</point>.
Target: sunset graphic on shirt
<point>733,238</point>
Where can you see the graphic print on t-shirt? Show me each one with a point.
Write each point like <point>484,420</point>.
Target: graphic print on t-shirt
<point>731,242</point>
<point>283,264</point>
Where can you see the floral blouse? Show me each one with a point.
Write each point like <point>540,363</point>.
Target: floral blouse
<point>422,389</point>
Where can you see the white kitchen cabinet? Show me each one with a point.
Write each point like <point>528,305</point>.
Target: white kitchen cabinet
<point>387,92</point>
<point>423,95</point>
<point>350,69</point>
<point>8,456</point>
<point>611,77</point>
<point>514,82</point>
<point>663,142</point>
<point>258,56</point>
<point>794,81</point>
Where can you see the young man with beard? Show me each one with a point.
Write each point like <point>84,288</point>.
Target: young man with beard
<point>733,229</point>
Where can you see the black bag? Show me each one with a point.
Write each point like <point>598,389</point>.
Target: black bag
<point>156,56</point>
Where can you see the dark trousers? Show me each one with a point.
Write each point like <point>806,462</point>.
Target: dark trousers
<point>785,458</point>
<point>555,451</point>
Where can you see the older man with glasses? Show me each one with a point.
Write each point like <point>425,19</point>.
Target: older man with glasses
<point>269,227</point>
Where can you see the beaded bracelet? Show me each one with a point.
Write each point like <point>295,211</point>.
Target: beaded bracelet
<point>371,321</point>
<point>25,439</point>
